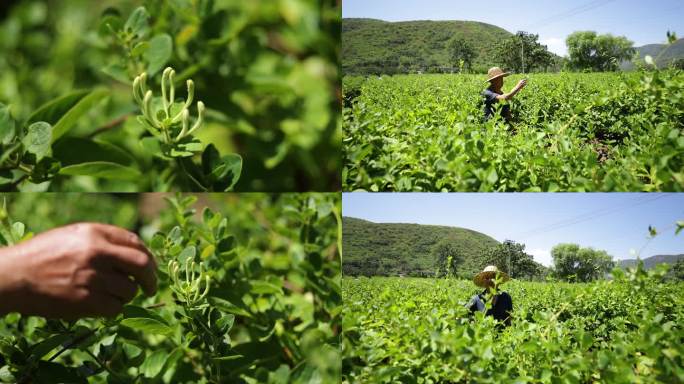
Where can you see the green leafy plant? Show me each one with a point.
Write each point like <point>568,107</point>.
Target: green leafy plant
<point>249,297</point>
<point>267,77</point>
<point>572,132</point>
<point>624,330</point>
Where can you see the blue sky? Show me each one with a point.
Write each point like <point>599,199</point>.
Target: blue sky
<point>641,21</point>
<point>614,222</point>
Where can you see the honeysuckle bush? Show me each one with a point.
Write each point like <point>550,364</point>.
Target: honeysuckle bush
<point>249,292</point>
<point>571,132</point>
<point>627,330</point>
<point>264,76</point>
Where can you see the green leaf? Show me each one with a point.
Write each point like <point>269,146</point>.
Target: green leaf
<point>53,110</point>
<point>222,172</point>
<point>49,372</point>
<point>108,24</point>
<point>18,230</point>
<point>7,125</point>
<point>207,251</point>
<point>186,149</point>
<point>147,325</point>
<point>154,363</point>
<point>227,358</point>
<point>6,375</point>
<point>227,244</point>
<point>117,71</point>
<point>37,139</point>
<point>68,120</point>
<point>137,23</point>
<point>75,150</point>
<point>225,323</point>
<point>140,48</point>
<point>680,226</point>
<point>133,311</point>
<point>175,234</point>
<point>188,252</point>
<point>44,347</point>
<point>102,169</point>
<point>158,53</point>
<point>228,307</point>
<point>262,287</point>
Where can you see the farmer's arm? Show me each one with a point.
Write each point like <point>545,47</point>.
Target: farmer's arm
<point>75,271</point>
<point>507,96</point>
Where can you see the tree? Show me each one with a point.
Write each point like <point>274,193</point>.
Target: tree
<point>511,258</point>
<point>574,263</point>
<point>523,53</point>
<point>677,270</point>
<point>447,257</point>
<point>459,49</point>
<point>589,50</point>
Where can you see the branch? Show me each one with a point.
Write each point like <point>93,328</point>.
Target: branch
<point>112,124</point>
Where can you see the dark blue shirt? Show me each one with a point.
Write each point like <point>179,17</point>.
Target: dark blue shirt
<point>501,309</point>
<point>489,101</point>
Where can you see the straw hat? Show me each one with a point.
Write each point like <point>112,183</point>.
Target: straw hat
<point>489,273</point>
<point>495,73</point>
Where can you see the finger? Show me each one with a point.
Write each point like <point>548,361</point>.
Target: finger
<point>132,262</point>
<point>120,236</point>
<point>116,284</point>
<point>102,304</point>
<point>108,282</point>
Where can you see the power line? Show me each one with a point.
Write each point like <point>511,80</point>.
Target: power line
<point>589,216</point>
<point>569,13</point>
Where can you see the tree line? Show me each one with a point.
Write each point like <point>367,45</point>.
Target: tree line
<point>571,262</point>
<point>521,53</point>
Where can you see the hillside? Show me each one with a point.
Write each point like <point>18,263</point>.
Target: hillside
<point>663,52</point>
<point>376,46</point>
<point>652,261</point>
<point>393,249</point>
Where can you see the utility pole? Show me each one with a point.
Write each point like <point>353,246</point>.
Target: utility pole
<point>522,52</point>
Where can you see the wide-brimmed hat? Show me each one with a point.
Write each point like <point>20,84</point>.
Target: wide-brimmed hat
<point>490,273</point>
<point>495,73</point>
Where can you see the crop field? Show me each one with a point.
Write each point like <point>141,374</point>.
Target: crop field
<point>570,132</point>
<point>410,330</point>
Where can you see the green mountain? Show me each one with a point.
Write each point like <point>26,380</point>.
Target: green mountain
<point>664,53</point>
<point>394,249</point>
<point>651,262</point>
<point>376,46</point>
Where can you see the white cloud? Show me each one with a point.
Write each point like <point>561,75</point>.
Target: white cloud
<point>555,45</point>
<point>542,256</point>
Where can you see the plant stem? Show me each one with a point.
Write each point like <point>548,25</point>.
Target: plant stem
<point>110,125</point>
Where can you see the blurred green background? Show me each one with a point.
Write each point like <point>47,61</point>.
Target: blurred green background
<point>268,70</point>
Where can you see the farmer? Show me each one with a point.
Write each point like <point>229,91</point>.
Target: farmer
<point>78,270</point>
<point>502,304</point>
<point>494,94</point>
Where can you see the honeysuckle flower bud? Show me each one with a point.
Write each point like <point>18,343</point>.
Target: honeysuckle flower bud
<point>136,87</point>
<point>162,121</point>
<point>147,106</point>
<point>191,93</point>
<point>188,101</point>
<point>172,90</point>
<point>143,84</point>
<point>200,118</point>
<point>207,284</point>
<point>186,120</point>
<point>165,78</point>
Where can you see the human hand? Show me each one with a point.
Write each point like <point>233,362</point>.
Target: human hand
<point>521,84</point>
<point>79,270</point>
